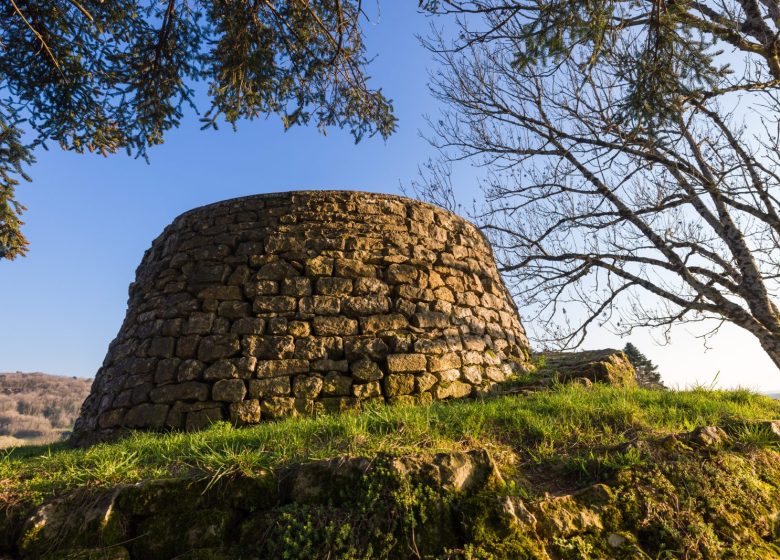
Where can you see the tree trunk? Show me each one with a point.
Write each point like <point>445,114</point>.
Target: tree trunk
<point>771,345</point>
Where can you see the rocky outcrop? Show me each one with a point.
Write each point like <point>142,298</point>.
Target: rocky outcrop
<point>249,517</point>
<point>596,366</point>
<point>270,305</point>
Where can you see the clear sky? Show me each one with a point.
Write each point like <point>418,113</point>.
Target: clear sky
<point>91,218</point>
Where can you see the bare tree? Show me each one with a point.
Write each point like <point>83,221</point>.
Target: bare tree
<point>630,152</point>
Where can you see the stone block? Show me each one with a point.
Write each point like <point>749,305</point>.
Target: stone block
<point>276,271</point>
<point>307,386</point>
<point>334,286</point>
<point>248,325</point>
<point>366,370</point>
<point>221,293</point>
<point>245,412</point>
<point>233,309</point>
<point>269,347</point>
<point>190,370</point>
<point>334,326</point>
<point>355,306</point>
<point>297,286</point>
<point>277,407</point>
<point>454,390</point>
<point>319,266</point>
<point>275,304</point>
<point>335,384</point>
<point>198,418</point>
<point>441,362</point>
<point>430,320</point>
<point>222,369</point>
<point>398,384</point>
<point>383,323</point>
<point>299,329</point>
<point>189,391</point>
<point>318,347</point>
<point>199,323</point>
<point>401,274</point>
<point>424,381</point>
<point>350,268</point>
<point>273,387</point>
<point>356,348</point>
<point>228,390</point>
<point>216,347</point>
<point>367,390</point>
<point>406,363</point>
<point>277,368</point>
<point>146,415</point>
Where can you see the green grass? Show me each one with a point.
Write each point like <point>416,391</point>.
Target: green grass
<point>578,429</point>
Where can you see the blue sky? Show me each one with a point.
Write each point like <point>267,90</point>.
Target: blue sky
<point>91,218</point>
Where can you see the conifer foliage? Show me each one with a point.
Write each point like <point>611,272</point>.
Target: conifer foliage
<point>646,371</point>
<point>104,76</point>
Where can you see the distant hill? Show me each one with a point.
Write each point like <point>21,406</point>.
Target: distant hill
<point>38,408</point>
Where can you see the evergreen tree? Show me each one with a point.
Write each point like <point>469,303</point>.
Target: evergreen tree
<point>96,76</point>
<point>646,371</point>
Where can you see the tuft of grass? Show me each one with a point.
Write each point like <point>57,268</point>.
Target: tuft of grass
<point>581,429</point>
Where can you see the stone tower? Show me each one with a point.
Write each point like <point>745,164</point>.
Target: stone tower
<point>270,305</point>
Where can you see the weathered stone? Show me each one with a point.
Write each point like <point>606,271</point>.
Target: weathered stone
<point>272,387</point>
<point>277,407</point>
<point>277,325</point>
<point>297,286</point>
<point>307,387</point>
<point>424,382</point>
<point>222,369</point>
<point>216,347</point>
<point>398,384</point>
<point>334,326</point>
<point>318,347</point>
<point>166,371</point>
<point>146,415</point>
<point>277,271</point>
<point>189,391</point>
<point>406,362</point>
<point>228,390</point>
<point>277,368</point>
<point>222,293</point>
<point>320,305</point>
<point>269,347</point>
<point>441,362</point>
<point>454,390</point>
<point>248,325</point>
<point>319,266</point>
<point>275,304</point>
<point>245,412</point>
<point>199,323</point>
<point>203,416</point>
<point>299,329</point>
<point>383,323</point>
<point>401,274</point>
<point>367,390</point>
<point>350,268</point>
<point>366,370</point>
<point>473,374</point>
<point>334,286</point>
<point>336,385</point>
<point>354,306</point>
<point>430,320</point>
<point>190,370</point>
<point>356,348</point>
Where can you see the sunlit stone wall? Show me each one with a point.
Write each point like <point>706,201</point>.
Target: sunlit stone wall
<point>271,305</point>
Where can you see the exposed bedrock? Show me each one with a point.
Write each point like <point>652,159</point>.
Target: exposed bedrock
<point>270,305</point>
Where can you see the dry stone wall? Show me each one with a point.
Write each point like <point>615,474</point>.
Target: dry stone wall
<point>270,305</point>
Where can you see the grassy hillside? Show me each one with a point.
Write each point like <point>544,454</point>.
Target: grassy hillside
<point>602,472</point>
<point>37,407</point>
